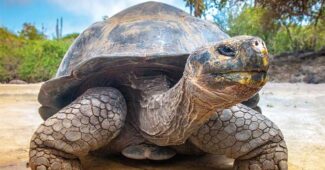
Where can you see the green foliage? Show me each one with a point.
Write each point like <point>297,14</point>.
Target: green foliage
<point>252,21</point>
<point>30,59</point>
<point>41,59</point>
<point>70,37</point>
<point>10,45</point>
<point>285,25</point>
<point>278,36</point>
<point>299,38</point>
<point>293,10</point>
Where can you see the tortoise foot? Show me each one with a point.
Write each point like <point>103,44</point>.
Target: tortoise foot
<point>245,135</point>
<point>272,157</point>
<point>146,151</point>
<point>41,159</point>
<point>88,123</point>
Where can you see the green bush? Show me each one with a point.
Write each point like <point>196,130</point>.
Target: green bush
<point>41,59</point>
<point>278,37</point>
<point>30,60</point>
<point>252,21</point>
<point>299,38</point>
<point>9,54</point>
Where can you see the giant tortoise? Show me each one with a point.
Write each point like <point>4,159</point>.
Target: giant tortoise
<point>151,82</point>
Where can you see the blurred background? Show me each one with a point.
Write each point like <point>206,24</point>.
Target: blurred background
<point>35,34</point>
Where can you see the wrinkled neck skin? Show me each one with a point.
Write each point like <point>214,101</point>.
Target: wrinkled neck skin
<point>169,118</point>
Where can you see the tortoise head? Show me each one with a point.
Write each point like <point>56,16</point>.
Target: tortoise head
<point>235,68</point>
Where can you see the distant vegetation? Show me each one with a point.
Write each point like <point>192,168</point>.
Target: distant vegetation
<point>29,56</point>
<point>279,37</point>
<point>285,25</point>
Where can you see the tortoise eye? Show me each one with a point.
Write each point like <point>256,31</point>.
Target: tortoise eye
<point>227,51</point>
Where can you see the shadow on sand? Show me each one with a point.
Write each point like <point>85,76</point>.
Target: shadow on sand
<point>206,162</point>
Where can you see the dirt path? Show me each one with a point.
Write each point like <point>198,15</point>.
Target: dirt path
<point>298,109</point>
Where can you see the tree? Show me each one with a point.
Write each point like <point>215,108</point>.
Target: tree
<point>287,10</point>
<point>197,5</point>
<point>292,12</point>
<point>251,21</point>
<point>30,32</point>
<point>289,15</point>
<point>311,10</point>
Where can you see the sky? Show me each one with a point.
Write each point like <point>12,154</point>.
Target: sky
<point>77,14</point>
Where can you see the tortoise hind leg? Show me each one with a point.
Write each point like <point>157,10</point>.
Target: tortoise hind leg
<point>245,135</point>
<point>148,151</point>
<point>88,123</point>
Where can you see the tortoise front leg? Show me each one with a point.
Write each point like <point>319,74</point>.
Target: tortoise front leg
<point>245,135</point>
<point>88,123</point>
<point>253,103</point>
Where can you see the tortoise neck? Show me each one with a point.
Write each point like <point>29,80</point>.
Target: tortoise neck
<point>169,118</point>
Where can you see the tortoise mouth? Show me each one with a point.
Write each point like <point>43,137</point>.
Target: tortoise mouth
<point>234,72</point>
<point>249,78</point>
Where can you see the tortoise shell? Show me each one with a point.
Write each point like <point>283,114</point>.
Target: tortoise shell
<point>150,36</point>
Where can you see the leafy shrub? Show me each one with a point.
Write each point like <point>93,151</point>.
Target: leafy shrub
<point>30,60</point>
<point>41,59</point>
<point>252,21</point>
<point>9,54</point>
<point>278,37</point>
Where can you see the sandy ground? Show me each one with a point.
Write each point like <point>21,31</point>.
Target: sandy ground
<point>298,109</point>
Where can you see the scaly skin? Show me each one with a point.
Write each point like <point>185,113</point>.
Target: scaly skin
<point>88,123</point>
<point>245,135</point>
